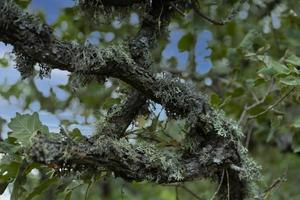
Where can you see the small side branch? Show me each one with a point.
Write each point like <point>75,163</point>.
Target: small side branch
<point>273,105</point>
<point>235,10</point>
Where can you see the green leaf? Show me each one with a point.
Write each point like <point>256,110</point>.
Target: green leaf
<point>3,187</point>
<point>20,181</point>
<point>24,126</point>
<point>250,39</point>
<point>296,123</point>
<point>109,102</point>
<point>69,195</point>
<point>2,121</point>
<point>8,171</point>
<point>291,80</point>
<point>294,60</point>
<point>75,134</point>
<point>23,3</point>
<point>45,184</point>
<point>273,67</point>
<point>296,149</point>
<point>9,148</point>
<point>296,143</point>
<point>215,99</point>
<point>187,42</point>
<point>237,92</point>
<point>259,81</point>
<point>3,62</point>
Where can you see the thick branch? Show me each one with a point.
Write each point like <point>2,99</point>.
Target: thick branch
<point>130,161</point>
<point>120,116</point>
<point>212,144</point>
<point>35,42</point>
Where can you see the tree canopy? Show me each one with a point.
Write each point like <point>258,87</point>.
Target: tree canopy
<point>182,99</point>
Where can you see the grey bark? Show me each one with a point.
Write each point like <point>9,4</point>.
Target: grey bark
<point>212,144</point>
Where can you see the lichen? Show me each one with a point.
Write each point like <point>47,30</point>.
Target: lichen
<point>106,13</point>
<point>13,16</point>
<point>90,58</point>
<point>24,65</point>
<point>177,96</point>
<point>154,159</point>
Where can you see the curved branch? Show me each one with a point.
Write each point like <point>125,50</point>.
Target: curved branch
<point>120,116</point>
<point>137,162</point>
<point>212,143</point>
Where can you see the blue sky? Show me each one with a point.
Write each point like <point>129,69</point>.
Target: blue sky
<point>51,8</point>
<point>10,75</point>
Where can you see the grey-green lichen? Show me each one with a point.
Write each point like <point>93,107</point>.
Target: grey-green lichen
<point>90,58</point>
<point>87,58</point>
<point>141,161</point>
<point>154,159</point>
<point>178,97</point>
<point>79,80</point>
<point>10,15</point>
<point>24,65</point>
<point>107,11</point>
<point>216,122</point>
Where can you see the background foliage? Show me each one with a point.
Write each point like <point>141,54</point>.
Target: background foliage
<point>248,67</point>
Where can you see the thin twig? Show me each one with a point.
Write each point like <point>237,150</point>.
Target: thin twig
<point>228,185</point>
<point>254,96</point>
<point>88,190</point>
<point>219,186</point>
<point>191,192</point>
<point>235,10</point>
<point>258,102</point>
<point>176,191</point>
<point>248,138</point>
<point>177,9</point>
<point>275,184</point>
<point>274,105</point>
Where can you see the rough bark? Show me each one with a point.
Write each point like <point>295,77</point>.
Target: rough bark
<point>212,144</point>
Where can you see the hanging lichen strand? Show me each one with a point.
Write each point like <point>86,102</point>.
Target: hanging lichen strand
<point>105,11</point>
<point>212,145</point>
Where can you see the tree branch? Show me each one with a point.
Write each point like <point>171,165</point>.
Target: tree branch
<point>122,115</point>
<point>138,162</point>
<point>234,11</point>
<point>211,146</point>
